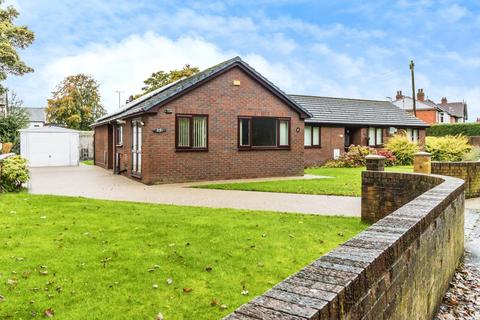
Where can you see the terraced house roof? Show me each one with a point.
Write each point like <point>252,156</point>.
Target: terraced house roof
<point>164,94</point>
<point>327,110</point>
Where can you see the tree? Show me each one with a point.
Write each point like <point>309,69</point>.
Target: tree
<point>75,103</point>
<point>15,118</point>
<point>12,37</point>
<point>162,78</point>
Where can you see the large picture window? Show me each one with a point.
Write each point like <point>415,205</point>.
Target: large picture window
<point>263,132</point>
<point>192,132</point>
<point>375,136</point>
<point>312,136</point>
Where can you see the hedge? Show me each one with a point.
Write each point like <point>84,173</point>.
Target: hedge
<point>466,129</point>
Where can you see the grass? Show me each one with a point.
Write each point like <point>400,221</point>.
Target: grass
<point>344,182</point>
<point>87,162</point>
<point>96,259</point>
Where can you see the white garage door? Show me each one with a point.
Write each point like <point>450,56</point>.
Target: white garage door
<point>45,149</point>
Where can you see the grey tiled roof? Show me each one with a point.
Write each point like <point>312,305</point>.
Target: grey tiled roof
<point>456,109</point>
<point>163,94</point>
<point>343,111</point>
<point>36,114</point>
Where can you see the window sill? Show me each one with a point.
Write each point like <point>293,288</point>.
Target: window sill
<point>190,150</point>
<point>313,147</point>
<point>119,145</point>
<point>262,148</point>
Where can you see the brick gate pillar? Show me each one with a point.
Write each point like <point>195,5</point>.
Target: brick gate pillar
<point>422,162</point>
<point>375,163</point>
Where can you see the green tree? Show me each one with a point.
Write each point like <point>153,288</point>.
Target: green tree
<point>162,78</point>
<point>12,38</point>
<point>75,103</point>
<point>14,118</point>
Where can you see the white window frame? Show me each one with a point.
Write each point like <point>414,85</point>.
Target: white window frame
<point>137,147</point>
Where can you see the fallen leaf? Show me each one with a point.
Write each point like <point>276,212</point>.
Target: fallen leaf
<point>245,292</point>
<point>159,316</point>
<point>11,282</point>
<point>208,269</point>
<point>187,290</point>
<point>43,272</point>
<point>2,298</point>
<point>49,313</point>
<point>223,306</point>
<point>214,302</point>
<point>155,286</point>
<point>43,217</point>
<point>169,281</point>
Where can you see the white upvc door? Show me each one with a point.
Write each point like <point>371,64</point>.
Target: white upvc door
<point>137,147</point>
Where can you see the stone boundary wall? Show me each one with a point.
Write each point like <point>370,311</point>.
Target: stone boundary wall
<point>465,170</point>
<point>398,268</point>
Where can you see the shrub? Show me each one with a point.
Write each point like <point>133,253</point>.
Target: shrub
<point>354,157</point>
<point>473,155</point>
<point>402,148</point>
<point>14,173</point>
<point>390,159</point>
<point>448,148</point>
<point>6,147</point>
<point>465,129</point>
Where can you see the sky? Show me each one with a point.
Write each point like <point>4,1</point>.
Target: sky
<point>340,48</point>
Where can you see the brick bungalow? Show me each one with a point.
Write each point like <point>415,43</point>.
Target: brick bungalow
<point>225,122</point>
<point>337,123</point>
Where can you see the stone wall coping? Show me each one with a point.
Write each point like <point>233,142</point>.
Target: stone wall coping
<point>335,283</point>
<point>423,154</point>
<point>374,157</point>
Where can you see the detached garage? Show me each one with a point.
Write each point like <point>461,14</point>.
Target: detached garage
<point>50,146</point>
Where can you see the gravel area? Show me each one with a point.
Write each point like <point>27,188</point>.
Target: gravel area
<point>462,300</point>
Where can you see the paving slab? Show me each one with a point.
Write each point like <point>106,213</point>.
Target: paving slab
<point>95,182</point>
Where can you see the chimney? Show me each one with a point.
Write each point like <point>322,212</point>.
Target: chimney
<point>399,95</point>
<point>444,100</point>
<point>420,95</point>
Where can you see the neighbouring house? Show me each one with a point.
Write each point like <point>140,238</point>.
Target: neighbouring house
<point>431,112</point>
<point>337,123</point>
<point>37,117</point>
<point>458,110</point>
<point>225,122</point>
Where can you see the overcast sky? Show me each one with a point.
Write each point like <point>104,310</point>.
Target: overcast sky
<point>344,48</point>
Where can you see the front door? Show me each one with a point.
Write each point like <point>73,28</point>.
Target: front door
<point>136,148</point>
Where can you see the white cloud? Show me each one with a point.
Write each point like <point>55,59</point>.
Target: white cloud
<point>124,65</point>
<point>452,13</point>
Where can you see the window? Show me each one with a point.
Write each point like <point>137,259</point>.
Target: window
<point>375,136</point>
<point>312,136</point>
<point>263,132</point>
<point>136,147</point>
<point>441,117</point>
<point>119,135</point>
<point>412,134</point>
<point>192,132</point>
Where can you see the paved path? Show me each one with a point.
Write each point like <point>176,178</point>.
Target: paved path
<point>95,182</point>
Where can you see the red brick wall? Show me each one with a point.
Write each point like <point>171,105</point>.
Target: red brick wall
<point>223,102</point>
<point>428,116</point>
<point>332,138</point>
<point>101,154</point>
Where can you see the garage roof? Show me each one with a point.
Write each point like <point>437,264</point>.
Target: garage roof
<point>49,129</point>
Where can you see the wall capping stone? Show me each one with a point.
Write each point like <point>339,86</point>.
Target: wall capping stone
<point>469,171</point>
<point>399,267</point>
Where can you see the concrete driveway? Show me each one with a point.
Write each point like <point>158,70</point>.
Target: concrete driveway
<point>95,182</point>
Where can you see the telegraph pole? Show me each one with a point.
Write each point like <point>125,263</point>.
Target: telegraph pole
<point>119,97</point>
<point>412,69</point>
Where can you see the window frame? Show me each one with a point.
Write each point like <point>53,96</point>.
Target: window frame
<point>190,116</point>
<point>122,130</point>
<point>376,144</point>
<point>313,146</point>
<point>411,134</point>
<point>278,146</point>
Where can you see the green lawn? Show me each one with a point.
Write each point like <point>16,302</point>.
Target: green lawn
<point>344,182</point>
<point>95,259</point>
<point>88,162</point>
